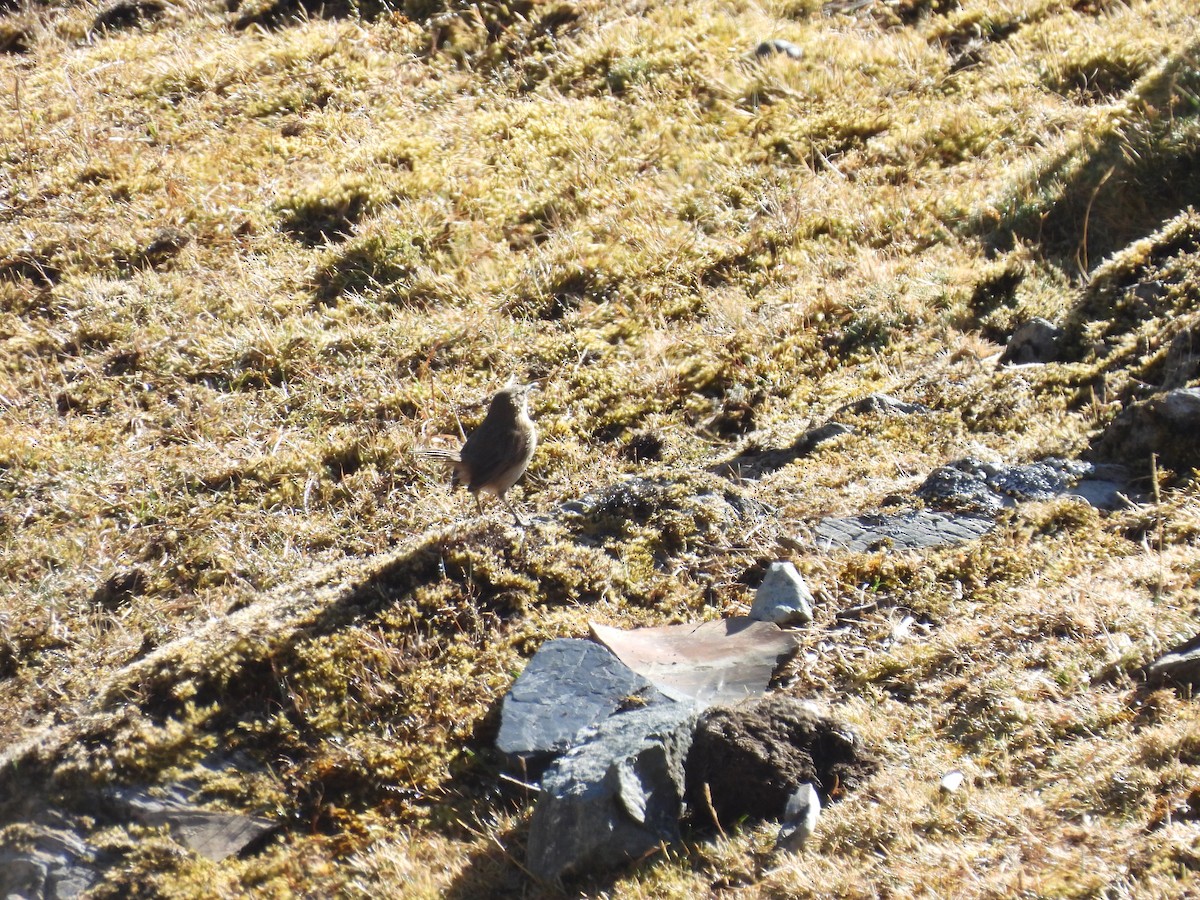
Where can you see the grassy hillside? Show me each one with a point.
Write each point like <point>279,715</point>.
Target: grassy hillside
<point>251,255</point>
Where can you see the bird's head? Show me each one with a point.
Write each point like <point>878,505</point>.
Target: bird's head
<point>514,398</point>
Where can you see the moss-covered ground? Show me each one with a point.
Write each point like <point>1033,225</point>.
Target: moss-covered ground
<point>251,255</point>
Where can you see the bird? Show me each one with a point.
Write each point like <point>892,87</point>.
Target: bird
<point>496,454</point>
<point>799,819</point>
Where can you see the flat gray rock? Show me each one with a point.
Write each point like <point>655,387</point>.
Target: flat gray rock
<point>614,797</point>
<point>1180,666</point>
<point>568,685</point>
<point>213,834</point>
<point>783,597</point>
<point>911,530</point>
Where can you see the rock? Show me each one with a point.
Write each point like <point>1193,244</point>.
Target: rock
<point>884,405</point>
<point>1102,494</point>
<point>951,781</point>
<point>910,530</point>
<point>1180,666</point>
<point>1042,480</point>
<point>213,834</point>
<point>1037,341</point>
<point>568,685</point>
<point>1180,407</point>
<point>44,863</point>
<point>799,819</point>
<point>971,485</point>
<point>748,760</point>
<point>1167,425</point>
<point>44,849</point>
<point>783,597</point>
<point>779,47</point>
<point>961,485</point>
<point>615,796</point>
<point>713,662</point>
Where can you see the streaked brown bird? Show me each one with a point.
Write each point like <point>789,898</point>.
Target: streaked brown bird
<point>496,454</point>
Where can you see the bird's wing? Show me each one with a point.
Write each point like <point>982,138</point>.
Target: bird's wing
<point>489,462</point>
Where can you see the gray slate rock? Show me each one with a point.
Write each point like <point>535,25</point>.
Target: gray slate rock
<point>1037,341</point>
<point>568,685</point>
<point>971,485</point>
<point>213,834</point>
<point>44,863</point>
<point>1180,666</point>
<point>910,530</point>
<point>615,796</point>
<point>884,405</point>
<point>783,597</point>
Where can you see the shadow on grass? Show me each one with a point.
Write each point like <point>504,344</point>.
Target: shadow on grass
<point>1115,185</point>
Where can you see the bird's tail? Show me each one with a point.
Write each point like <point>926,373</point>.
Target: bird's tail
<point>437,453</point>
<point>443,453</point>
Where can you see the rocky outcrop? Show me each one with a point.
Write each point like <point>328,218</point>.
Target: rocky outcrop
<point>568,685</point>
<point>614,797</point>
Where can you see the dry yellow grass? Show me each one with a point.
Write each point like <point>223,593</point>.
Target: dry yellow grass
<point>215,538</point>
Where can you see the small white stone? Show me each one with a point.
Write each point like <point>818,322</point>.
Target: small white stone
<point>799,819</point>
<point>952,781</point>
<point>783,597</point>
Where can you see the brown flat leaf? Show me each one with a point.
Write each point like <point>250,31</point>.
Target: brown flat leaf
<point>722,661</point>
